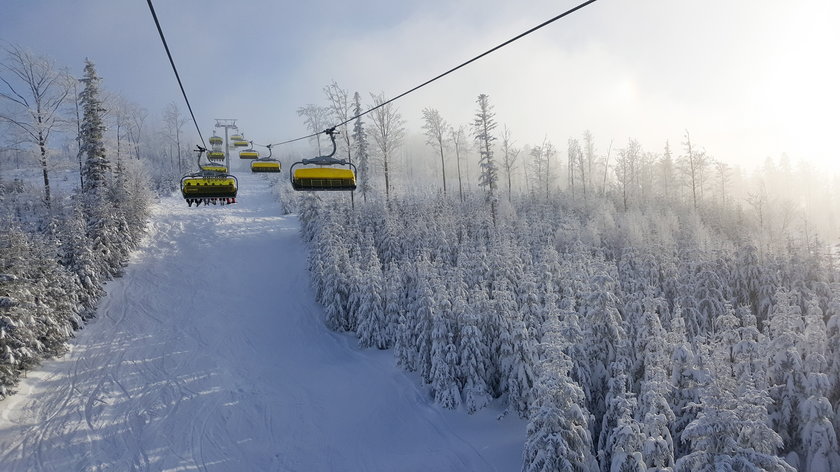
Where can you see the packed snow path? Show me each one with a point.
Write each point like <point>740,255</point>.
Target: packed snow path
<point>210,354</point>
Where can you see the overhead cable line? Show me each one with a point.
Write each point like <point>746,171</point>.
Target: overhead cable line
<point>175,69</point>
<point>535,28</point>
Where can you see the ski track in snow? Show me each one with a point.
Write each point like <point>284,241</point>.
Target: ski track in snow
<point>210,354</point>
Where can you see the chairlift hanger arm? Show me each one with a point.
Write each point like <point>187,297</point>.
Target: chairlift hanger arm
<point>200,150</point>
<point>327,160</point>
<point>267,146</point>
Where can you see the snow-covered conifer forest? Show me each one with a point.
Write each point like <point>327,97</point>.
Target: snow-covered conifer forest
<point>75,196</point>
<point>644,310</point>
<point>640,309</point>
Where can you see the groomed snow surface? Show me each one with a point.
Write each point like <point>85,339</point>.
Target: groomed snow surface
<point>210,354</point>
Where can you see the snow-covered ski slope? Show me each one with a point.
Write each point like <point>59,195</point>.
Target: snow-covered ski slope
<point>210,354</point>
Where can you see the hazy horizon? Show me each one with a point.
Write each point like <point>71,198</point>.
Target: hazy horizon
<point>749,80</point>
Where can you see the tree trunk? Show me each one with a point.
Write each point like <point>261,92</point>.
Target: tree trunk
<point>387,185</point>
<point>442,166</point>
<point>43,145</point>
<point>458,161</point>
<point>350,160</point>
<point>508,175</point>
<point>79,137</point>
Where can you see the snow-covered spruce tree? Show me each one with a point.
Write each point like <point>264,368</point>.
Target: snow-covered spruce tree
<point>310,216</point>
<point>414,330</point>
<point>621,404</point>
<point>558,437</point>
<point>604,334</point>
<point>18,333</point>
<point>107,228</point>
<point>644,330</point>
<point>731,433</point>
<point>746,277</point>
<point>472,259</point>
<point>56,291</point>
<point>654,412</point>
<point>817,438</point>
<point>784,332</point>
<point>528,301</point>
<point>814,340</point>
<point>76,254</point>
<point>96,166</point>
<point>472,355</point>
<point>498,329</point>
<point>748,356</point>
<point>393,307</point>
<point>356,283</point>
<point>708,293</point>
<point>360,149</point>
<point>444,360</point>
<point>686,377</point>
<point>517,368</point>
<point>39,303</point>
<point>387,236</point>
<point>335,296</point>
<point>372,328</point>
<point>656,416</point>
<point>724,339</point>
<point>833,345</point>
<point>818,450</point>
<point>483,125</point>
<point>575,347</point>
<point>626,444</point>
<point>687,287</point>
<point>767,286</point>
<point>132,198</point>
<point>404,342</point>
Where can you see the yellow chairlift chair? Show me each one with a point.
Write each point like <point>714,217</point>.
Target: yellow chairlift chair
<point>266,164</point>
<point>325,177</point>
<point>209,186</point>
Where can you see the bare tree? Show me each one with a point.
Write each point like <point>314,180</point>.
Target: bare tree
<point>667,173</point>
<point>315,118</point>
<point>625,169</point>
<point>137,118</point>
<point>606,168</point>
<point>388,133</point>
<point>758,201</point>
<point>435,127</point>
<point>34,90</point>
<point>340,108</point>
<point>539,165</point>
<point>576,159</point>
<point>548,153</point>
<point>458,137</point>
<point>589,156</point>
<point>77,119</point>
<point>692,166</point>
<point>572,154</point>
<point>484,124</point>
<point>509,156</point>
<point>174,121</point>
<point>724,174</point>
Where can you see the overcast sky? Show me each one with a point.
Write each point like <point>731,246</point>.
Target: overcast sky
<point>748,78</point>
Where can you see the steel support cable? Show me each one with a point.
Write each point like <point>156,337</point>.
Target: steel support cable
<point>489,51</point>
<point>175,69</point>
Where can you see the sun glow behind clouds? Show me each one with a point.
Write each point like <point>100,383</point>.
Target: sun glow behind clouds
<point>799,91</point>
